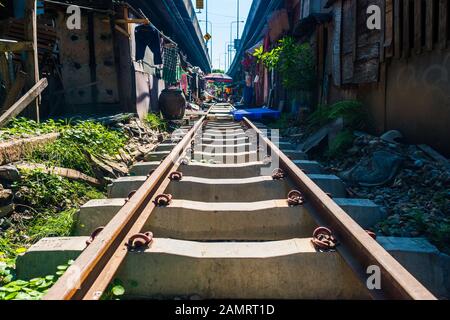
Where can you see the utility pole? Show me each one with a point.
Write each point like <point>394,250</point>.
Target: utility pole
<point>225,68</point>
<point>206,23</point>
<point>231,48</point>
<point>231,35</point>
<point>212,34</point>
<point>238,12</point>
<point>206,16</point>
<point>231,29</point>
<point>228,46</point>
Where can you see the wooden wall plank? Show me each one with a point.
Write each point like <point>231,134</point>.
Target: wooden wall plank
<point>406,29</point>
<point>389,29</point>
<point>320,52</point>
<point>418,26</point>
<point>383,31</point>
<point>429,25</point>
<point>443,21</point>
<point>348,35</point>
<point>397,29</point>
<point>366,66</point>
<point>355,28</point>
<point>337,32</point>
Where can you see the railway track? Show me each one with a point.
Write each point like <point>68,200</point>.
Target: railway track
<point>224,213</point>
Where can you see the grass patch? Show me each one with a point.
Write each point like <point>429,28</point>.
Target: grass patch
<point>285,121</point>
<point>76,142</point>
<point>156,122</point>
<point>435,228</point>
<point>71,150</point>
<point>340,143</point>
<point>48,192</point>
<point>353,113</point>
<point>24,128</point>
<point>45,206</point>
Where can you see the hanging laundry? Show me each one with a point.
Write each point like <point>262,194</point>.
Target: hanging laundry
<point>184,83</point>
<point>171,61</point>
<point>179,72</point>
<point>148,36</point>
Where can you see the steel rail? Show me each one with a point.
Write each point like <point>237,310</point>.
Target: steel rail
<point>97,265</point>
<point>91,273</point>
<point>357,248</point>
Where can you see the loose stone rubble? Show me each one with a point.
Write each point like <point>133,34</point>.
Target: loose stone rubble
<point>407,182</point>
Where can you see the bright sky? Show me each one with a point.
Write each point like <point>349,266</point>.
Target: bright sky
<point>221,13</point>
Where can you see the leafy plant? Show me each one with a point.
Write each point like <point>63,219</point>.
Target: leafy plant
<point>285,121</point>
<point>23,127</point>
<point>76,142</point>
<point>270,58</point>
<point>294,61</point>
<point>6,269</point>
<point>155,122</point>
<point>47,204</point>
<point>340,143</point>
<point>353,113</point>
<point>34,289</point>
<point>114,291</point>
<point>44,191</point>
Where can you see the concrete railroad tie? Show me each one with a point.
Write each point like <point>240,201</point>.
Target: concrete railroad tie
<point>229,231</point>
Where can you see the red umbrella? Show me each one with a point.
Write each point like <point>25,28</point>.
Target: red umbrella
<point>218,77</point>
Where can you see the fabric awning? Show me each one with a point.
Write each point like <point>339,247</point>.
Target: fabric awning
<point>252,50</point>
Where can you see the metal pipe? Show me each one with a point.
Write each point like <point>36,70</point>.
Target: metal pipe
<point>206,16</point>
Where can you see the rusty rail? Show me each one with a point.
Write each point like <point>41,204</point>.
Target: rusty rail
<point>357,247</point>
<point>96,266</point>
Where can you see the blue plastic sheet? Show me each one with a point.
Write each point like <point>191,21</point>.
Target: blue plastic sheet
<point>256,114</point>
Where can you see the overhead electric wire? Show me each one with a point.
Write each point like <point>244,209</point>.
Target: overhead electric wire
<point>67,4</point>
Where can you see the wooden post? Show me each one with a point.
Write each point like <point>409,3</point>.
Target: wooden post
<point>32,63</point>
<point>23,102</point>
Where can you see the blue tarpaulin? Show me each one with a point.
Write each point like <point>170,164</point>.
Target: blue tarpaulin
<point>256,114</point>
<point>19,8</point>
